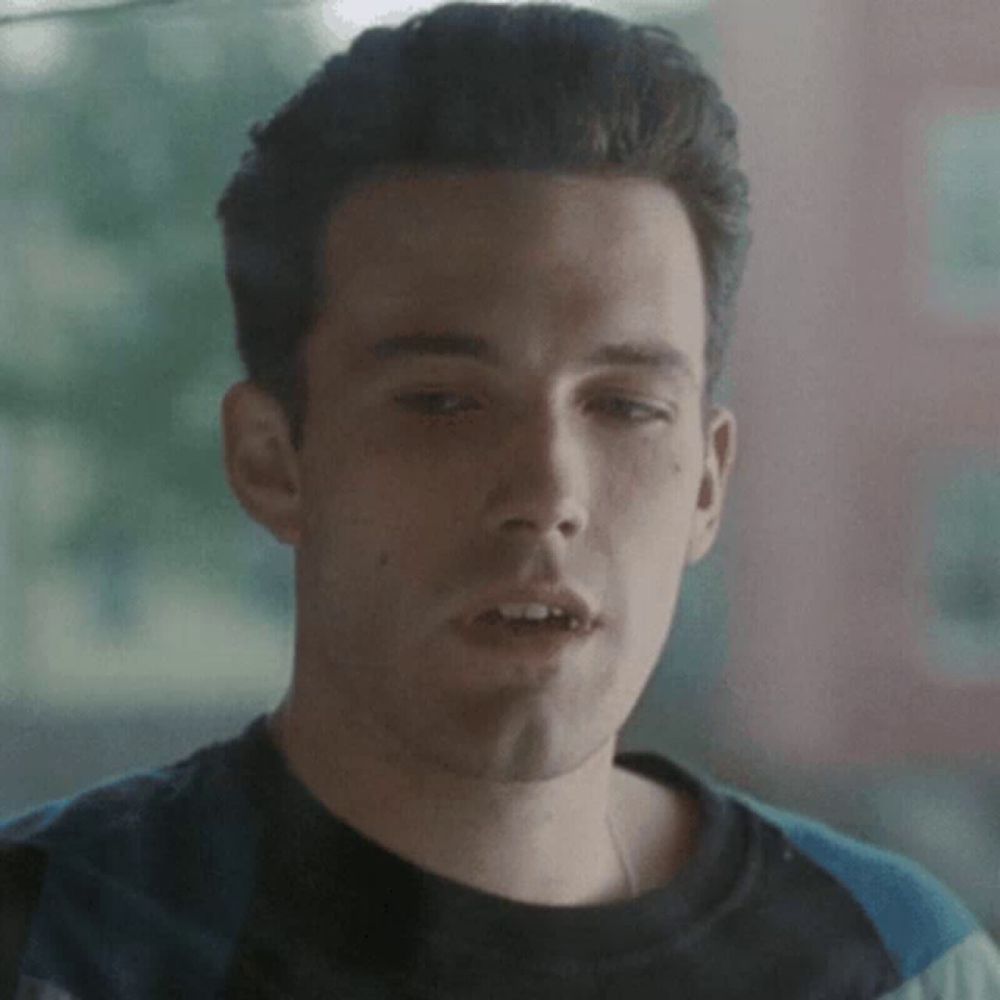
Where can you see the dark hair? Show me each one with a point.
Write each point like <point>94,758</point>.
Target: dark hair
<point>477,86</point>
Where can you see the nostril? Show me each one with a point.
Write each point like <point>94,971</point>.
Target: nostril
<point>569,528</point>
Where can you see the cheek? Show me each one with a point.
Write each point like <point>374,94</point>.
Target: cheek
<point>648,493</point>
<point>383,512</point>
<point>650,510</point>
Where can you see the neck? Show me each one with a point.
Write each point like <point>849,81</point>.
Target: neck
<point>563,840</point>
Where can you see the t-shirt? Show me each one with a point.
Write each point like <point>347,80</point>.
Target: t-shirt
<point>222,876</point>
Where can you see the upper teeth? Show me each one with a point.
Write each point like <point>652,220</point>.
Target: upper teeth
<point>533,612</point>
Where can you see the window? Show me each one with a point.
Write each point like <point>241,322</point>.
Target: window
<point>961,552</point>
<point>963,177</point>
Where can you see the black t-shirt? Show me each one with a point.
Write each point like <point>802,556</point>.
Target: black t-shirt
<point>222,876</point>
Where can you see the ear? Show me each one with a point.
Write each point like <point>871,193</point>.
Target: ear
<point>720,450</point>
<point>262,466</point>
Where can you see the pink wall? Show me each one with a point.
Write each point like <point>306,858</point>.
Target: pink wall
<point>845,381</point>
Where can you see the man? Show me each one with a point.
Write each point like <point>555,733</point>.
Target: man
<point>482,268</point>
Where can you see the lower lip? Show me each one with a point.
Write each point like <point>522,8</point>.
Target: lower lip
<point>491,633</point>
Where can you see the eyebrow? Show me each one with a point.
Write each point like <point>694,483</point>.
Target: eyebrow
<point>434,345</point>
<point>664,359</point>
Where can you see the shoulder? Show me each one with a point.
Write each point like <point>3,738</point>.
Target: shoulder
<point>163,855</point>
<point>122,807</point>
<point>879,923</point>
<point>920,922</point>
<point>128,831</point>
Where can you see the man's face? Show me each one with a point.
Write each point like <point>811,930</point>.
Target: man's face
<point>503,405</point>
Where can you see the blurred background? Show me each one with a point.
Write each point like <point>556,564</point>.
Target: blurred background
<point>839,652</point>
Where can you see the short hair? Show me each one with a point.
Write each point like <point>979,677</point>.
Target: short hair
<point>477,86</point>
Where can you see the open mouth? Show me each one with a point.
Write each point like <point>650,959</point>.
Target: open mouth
<point>531,626</point>
<point>543,631</point>
<point>530,621</point>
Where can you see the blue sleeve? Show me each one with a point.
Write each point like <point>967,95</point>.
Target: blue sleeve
<point>918,919</point>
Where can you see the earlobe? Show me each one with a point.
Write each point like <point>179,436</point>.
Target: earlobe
<point>720,450</point>
<point>262,466</point>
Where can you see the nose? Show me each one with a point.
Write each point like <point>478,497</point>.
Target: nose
<point>542,482</point>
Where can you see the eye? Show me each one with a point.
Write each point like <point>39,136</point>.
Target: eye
<point>632,411</point>
<point>436,403</point>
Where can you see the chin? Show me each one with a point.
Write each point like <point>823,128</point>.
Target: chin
<point>513,739</point>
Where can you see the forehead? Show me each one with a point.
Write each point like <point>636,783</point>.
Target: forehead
<point>530,250</point>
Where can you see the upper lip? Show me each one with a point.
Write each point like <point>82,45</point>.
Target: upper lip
<point>552,595</point>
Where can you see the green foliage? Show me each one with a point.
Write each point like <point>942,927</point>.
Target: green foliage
<point>117,326</point>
